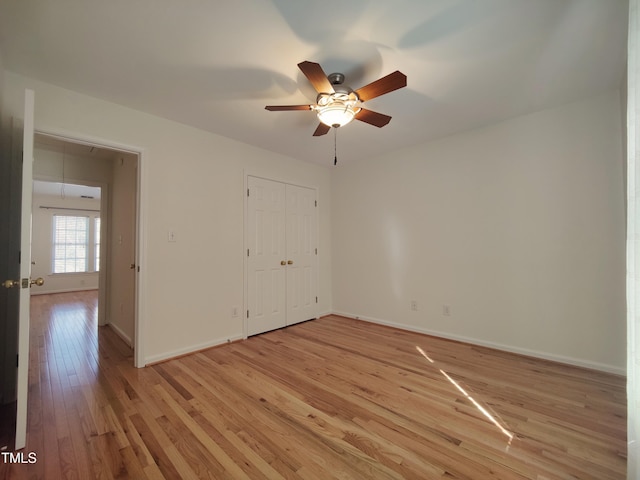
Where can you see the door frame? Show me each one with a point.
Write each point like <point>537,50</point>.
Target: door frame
<point>246,173</point>
<point>141,222</point>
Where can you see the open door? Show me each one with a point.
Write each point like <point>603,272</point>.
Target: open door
<point>17,237</point>
<point>25,270</point>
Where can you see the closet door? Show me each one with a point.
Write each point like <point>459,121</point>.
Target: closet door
<point>266,256</point>
<point>282,255</point>
<point>301,254</point>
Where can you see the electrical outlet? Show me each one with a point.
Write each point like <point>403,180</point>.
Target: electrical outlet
<point>414,305</point>
<point>446,310</point>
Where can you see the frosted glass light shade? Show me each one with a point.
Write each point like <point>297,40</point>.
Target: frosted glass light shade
<point>336,114</point>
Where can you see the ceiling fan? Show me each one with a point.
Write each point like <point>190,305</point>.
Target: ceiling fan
<point>337,104</point>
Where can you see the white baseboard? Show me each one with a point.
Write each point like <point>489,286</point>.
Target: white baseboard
<point>191,349</point>
<point>38,291</point>
<point>498,346</point>
<point>121,334</point>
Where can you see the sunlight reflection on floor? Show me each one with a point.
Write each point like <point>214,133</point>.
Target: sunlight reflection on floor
<point>475,403</point>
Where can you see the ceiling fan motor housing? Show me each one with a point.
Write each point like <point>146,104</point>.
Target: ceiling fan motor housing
<point>336,78</point>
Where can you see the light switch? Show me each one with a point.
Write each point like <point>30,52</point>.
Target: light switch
<point>171,236</point>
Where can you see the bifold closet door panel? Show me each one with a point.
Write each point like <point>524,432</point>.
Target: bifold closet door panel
<point>267,251</point>
<point>301,242</point>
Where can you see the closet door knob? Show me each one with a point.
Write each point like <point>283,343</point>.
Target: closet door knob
<point>290,262</point>
<point>283,262</point>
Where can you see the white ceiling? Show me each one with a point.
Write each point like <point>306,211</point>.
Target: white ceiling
<point>76,149</point>
<point>216,64</point>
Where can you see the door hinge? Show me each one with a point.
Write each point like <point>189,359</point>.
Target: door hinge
<point>316,203</point>
<point>247,252</point>
<point>18,360</point>
<point>316,251</point>
<point>316,299</point>
<point>247,192</point>
<point>247,313</point>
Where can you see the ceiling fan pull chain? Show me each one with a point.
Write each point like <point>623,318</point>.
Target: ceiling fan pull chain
<point>335,148</point>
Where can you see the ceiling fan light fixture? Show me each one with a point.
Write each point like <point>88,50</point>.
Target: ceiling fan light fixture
<point>337,109</point>
<point>336,114</point>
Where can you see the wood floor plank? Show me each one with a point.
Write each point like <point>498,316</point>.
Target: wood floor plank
<point>241,430</point>
<point>156,443</point>
<point>194,443</point>
<point>330,398</point>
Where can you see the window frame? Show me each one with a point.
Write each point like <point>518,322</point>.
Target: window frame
<point>92,240</point>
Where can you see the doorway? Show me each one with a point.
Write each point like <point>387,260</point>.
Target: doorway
<point>17,168</point>
<point>82,170</point>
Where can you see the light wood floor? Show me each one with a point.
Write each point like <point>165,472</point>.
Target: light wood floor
<point>331,398</point>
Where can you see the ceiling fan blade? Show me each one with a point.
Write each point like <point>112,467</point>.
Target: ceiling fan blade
<point>317,77</point>
<point>321,130</point>
<point>372,118</point>
<point>281,108</point>
<point>383,85</point>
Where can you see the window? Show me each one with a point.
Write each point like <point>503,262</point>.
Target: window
<point>71,244</point>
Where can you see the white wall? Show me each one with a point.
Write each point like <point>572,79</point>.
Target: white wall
<point>633,242</point>
<point>518,227</point>
<point>193,184</point>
